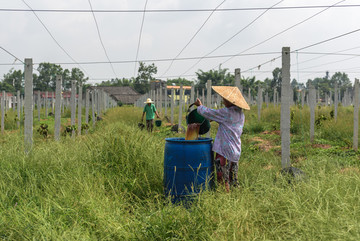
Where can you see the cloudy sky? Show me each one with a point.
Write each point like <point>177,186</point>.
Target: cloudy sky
<point>182,36</point>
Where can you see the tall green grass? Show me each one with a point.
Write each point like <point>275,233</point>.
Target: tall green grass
<point>108,186</point>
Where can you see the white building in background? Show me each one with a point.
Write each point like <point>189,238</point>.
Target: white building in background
<point>9,99</point>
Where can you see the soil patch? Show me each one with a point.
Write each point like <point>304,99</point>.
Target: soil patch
<point>271,132</point>
<point>263,145</point>
<point>268,167</point>
<point>322,146</point>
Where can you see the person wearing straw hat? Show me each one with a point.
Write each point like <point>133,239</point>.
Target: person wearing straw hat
<point>150,111</point>
<point>227,143</point>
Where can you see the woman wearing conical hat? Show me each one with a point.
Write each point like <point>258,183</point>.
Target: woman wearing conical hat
<point>227,143</point>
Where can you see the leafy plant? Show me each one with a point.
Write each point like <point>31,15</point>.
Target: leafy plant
<point>85,126</point>
<point>43,130</point>
<point>319,121</point>
<point>69,129</point>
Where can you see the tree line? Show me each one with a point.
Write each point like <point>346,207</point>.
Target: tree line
<point>46,80</point>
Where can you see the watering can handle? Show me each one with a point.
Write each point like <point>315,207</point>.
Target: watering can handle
<point>187,113</point>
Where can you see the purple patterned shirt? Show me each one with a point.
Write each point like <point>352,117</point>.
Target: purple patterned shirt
<point>231,121</point>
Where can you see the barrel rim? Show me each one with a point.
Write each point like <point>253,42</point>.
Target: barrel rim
<point>182,139</point>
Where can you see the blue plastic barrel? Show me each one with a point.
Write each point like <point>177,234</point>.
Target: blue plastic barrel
<point>188,167</point>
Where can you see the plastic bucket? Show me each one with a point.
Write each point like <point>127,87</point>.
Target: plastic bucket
<point>158,123</point>
<point>195,117</point>
<point>188,167</point>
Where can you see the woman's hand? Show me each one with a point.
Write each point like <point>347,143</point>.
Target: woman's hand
<point>198,102</point>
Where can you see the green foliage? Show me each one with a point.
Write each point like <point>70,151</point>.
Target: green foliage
<point>46,79</point>
<point>69,129</point>
<point>43,130</point>
<point>179,81</point>
<point>217,77</point>
<point>320,119</point>
<point>108,186</point>
<point>12,81</point>
<point>85,126</point>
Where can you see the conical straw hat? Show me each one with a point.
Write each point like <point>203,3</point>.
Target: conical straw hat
<point>232,94</point>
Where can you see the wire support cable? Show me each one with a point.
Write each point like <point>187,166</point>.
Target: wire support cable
<point>52,36</point>
<point>192,38</point>
<point>102,43</point>
<point>16,58</point>
<point>229,39</point>
<point>287,29</point>
<point>155,60</point>
<point>138,46</point>
<point>173,10</point>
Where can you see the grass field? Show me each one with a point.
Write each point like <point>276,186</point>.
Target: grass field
<point>107,185</point>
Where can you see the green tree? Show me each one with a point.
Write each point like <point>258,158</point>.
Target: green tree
<point>78,75</point>
<point>145,73</point>
<point>277,79</point>
<point>342,80</point>
<point>179,81</point>
<point>47,76</point>
<point>217,77</point>
<point>13,78</point>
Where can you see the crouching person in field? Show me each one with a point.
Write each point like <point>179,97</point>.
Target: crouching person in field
<point>150,111</point>
<point>227,143</point>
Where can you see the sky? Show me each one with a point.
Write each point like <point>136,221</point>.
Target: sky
<point>210,34</point>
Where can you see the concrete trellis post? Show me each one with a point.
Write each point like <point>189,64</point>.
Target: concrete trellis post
<point>97,102</point>
<point>209,99</point>
<point>87,99</point>
<point>58,107</point>
<point>172,106</point>
<point>274,97</point>
<point>21,105</point>
<point>3,112</point>
<point>192,93</point>
<point>267,99</point>
<point>39,104</point>
<point>166,100</point>
<point>285,108</point>
<point>52,103</point>
<point>180,108</point>
<point>28,125</point>
<point>18,105</point>
<point>208,94</point>
<point>330,98</point>
<point>249,96</point>
<point>203,95</point>
<point>46,104</point>
<point>291,91</point>
<point>73,105</point>
<point>259,102</point>
<point>336,101</point>
<point>6,103</point>
<point>93,107</point>
<point>79,108</point>
<point>218,101</point>
<point>237,79</point>
<point>161,99</point>
<point>312,103</point>
<point>302,97</point>
<point>356,115</point>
